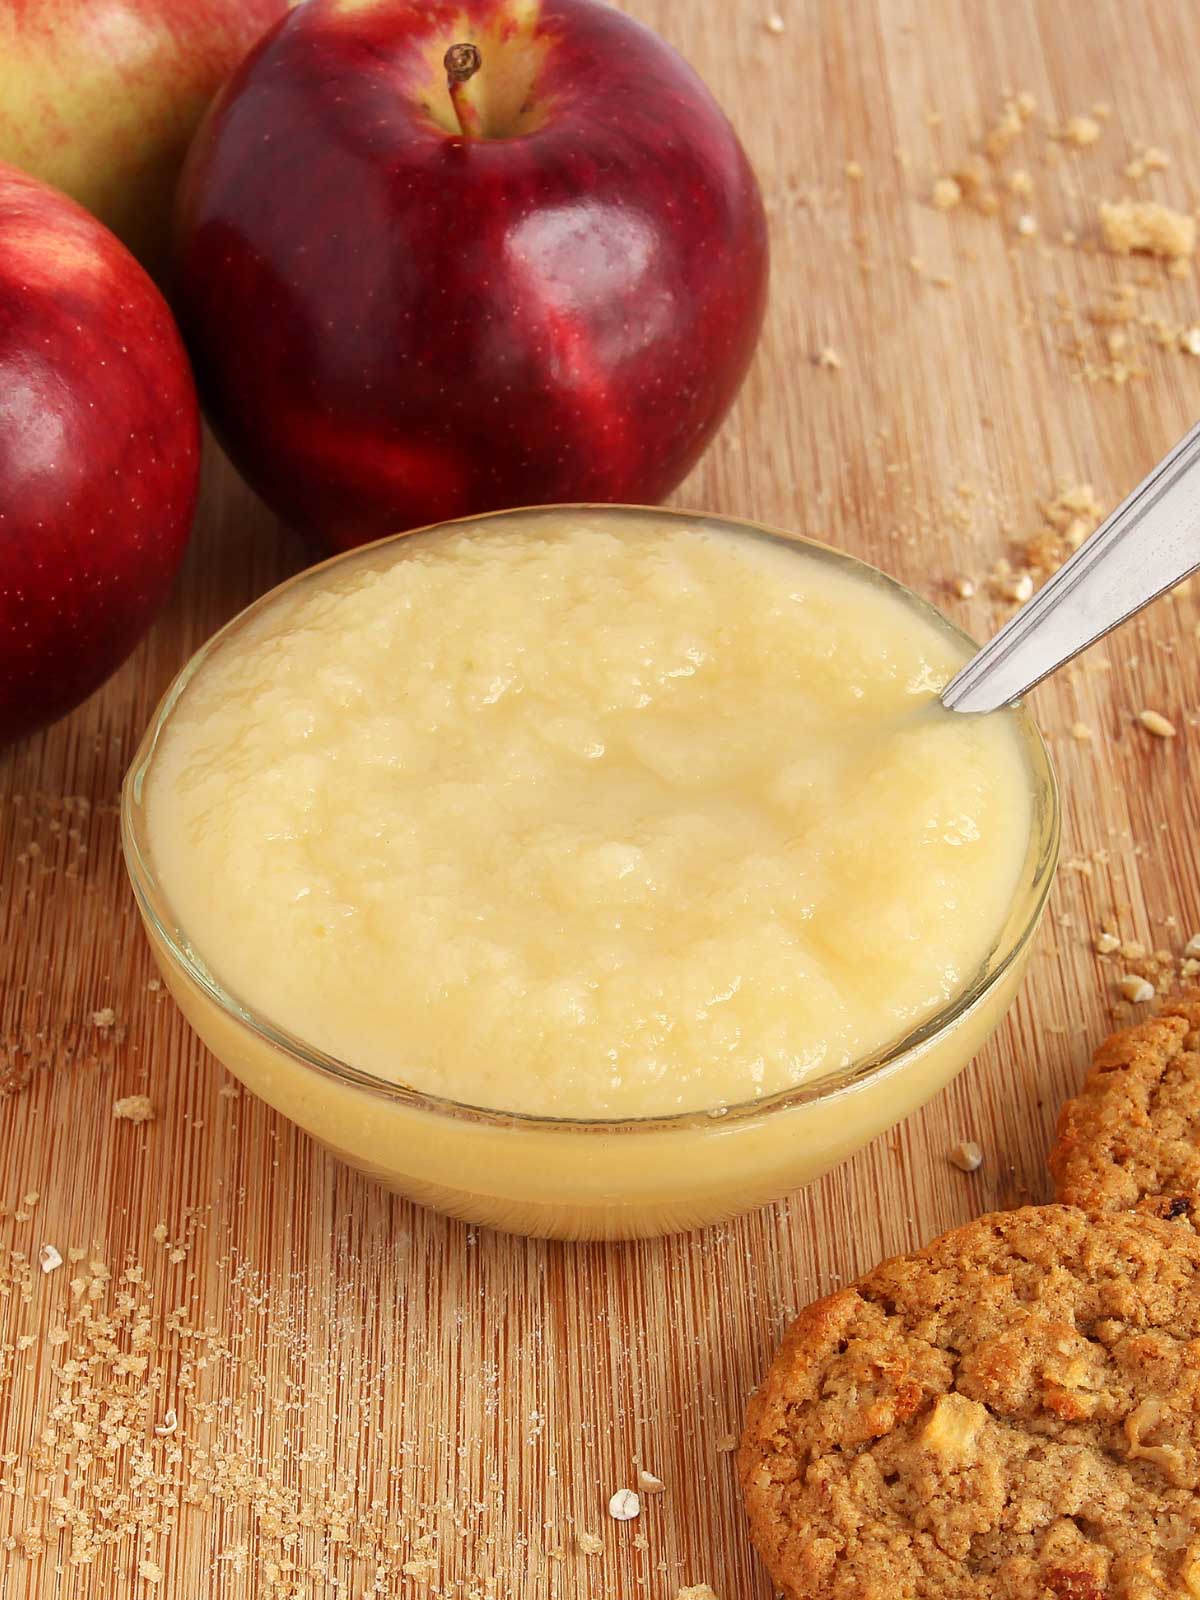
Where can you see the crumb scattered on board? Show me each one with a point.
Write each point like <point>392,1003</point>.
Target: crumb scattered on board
<point>966,1155</point>
<point>624,1506</point>
<point>1129,226</point>
<point>1149,158</point>
<point>947,193</point>
<point>1081,131</point>
<point>134,1108</point>
<point>1064,521</point>
<point>1154,722</point>
<point>1141,968</point>
<point>982,181</point>
<point>153,1413</point>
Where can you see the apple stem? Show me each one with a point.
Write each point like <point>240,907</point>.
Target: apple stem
<point>462,62</point>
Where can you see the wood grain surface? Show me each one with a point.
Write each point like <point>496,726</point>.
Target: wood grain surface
<point>257,1375</point>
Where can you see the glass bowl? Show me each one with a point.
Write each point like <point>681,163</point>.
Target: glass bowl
<point>574,1178</point>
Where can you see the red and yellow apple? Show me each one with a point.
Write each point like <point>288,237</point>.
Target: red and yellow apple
<point>406,305</point>
<point>101,97</point>
<point>99,452</point>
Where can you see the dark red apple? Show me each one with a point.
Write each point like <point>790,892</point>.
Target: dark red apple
<point>99,452</point>
<point>401,311</point>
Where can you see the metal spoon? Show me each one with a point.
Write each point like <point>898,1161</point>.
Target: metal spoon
<point>1150,543</point>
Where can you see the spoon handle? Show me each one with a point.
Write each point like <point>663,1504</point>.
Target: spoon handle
<point>1150,543</point>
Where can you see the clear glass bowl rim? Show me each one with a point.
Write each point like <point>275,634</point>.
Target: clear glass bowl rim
<point>1019,929</point>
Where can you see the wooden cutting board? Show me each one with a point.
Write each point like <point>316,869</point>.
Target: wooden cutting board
<point>255,1374</point>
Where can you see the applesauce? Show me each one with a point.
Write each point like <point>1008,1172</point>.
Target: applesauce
<point>583,819</point>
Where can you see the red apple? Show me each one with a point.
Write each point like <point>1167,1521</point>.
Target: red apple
<point>102,99</point>
<point>99,452</point>
<point>401,311</point>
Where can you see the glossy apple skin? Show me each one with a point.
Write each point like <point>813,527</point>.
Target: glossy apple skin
<point>101,98</point>
<point>99,452</point>
<point>392,324</point>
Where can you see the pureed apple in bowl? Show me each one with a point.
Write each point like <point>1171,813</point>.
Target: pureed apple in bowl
<point>589,871</point>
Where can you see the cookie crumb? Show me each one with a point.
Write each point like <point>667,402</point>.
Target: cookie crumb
<point>1016,588</point>
<point>966,1155</point>
<point>649,1484</point>
<point>1008,126</point>
<point>1081,131</point>
<point>774,23</point>
<point>829,358</point>
<point>1020,183</point>
<point>1106,943</point>
<point>1119,308</point>
<point>1154,722</point>
<point>727,1442</point>
<point>421,1567</point>
<point>168,1424</point>
<point>588,1543</point>
<point>1027,226</point>
<point>964,588</point>
<point>1151,159</point>
<point>1147,227</point>
<point>975,186</point>
<point>134,1108</point>
<point>49,1258</point>
<point>1081,731</point>
<point>104,1018</point>
<point>624,1506</point>
<point>697,1591</point>
<point>1189,341</point>
<point>946,194</point>
<point>1136,989</point>
<point>149,1570</point>
<point>854,171</point>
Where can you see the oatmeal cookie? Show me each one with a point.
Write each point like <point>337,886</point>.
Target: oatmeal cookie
<point>1012,1413</point>
<point>1130,1139</point>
